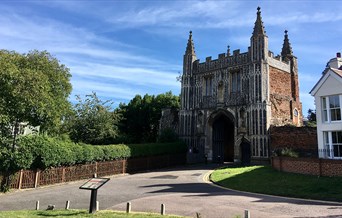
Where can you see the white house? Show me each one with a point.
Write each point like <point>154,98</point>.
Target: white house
<point>328,100</point>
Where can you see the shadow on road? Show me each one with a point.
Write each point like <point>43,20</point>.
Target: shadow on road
<point>204,189</point>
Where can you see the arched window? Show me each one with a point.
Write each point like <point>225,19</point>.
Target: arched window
<point>295,112</point>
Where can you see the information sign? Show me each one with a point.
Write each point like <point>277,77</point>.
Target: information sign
<point>94,183</point>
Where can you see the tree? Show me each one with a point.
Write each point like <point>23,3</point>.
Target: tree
<point>142,114</point>
<point>34,88</point>
<point>311,115</point>
<point>93,121</point>
<point>311,118</point>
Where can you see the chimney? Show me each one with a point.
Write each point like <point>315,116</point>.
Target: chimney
<point>335,62</point>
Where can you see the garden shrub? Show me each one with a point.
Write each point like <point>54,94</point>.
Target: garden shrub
<point>139,150</point>
<point>285,152</point>
<point>41,152</point>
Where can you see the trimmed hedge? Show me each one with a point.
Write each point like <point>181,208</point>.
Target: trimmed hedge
<point>38,151</point>
<point>139,150</point>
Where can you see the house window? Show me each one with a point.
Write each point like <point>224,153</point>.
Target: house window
<point>236,86</point>
<point>333,143</point>
<point>208,85</point>
<point>331,108</point>
<point>336,138</point>
<point>335,109</point>
<point>326,148</point>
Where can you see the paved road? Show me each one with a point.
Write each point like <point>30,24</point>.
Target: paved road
<point>182,190</point>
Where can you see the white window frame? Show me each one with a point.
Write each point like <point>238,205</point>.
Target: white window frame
<point>329,145</point>
<point>326,110</point>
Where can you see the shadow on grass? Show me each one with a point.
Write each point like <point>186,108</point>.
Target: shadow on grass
<point>60,213</point>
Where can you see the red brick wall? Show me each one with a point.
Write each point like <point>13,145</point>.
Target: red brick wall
<point>282,93</point>
<point>308,166</point>
<point>331,167</point>
<point>280,82</point>
<point>304,138</point>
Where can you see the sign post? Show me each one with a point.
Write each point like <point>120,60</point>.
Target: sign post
<point>94,184</point>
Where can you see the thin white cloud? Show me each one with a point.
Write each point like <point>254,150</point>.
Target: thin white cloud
<point>132,75</point>
<point>182,15</point>
<point>82,87</point>
<point>301,18</point>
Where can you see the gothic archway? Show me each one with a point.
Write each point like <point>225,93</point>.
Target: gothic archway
<point>223,139</point>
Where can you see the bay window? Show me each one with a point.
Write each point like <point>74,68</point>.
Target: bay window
<point>333,144</point>
<point>331,108</point>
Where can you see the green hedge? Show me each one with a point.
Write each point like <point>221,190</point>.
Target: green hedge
<point>44,152</point>
<point>139,150</point>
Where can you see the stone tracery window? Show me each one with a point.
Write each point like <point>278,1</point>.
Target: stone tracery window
<point>220,92</point>
<point>236,82</point>
<point>295,112</point>
<point>208,86</point>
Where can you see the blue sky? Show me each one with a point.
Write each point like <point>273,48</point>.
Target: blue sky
<point>122,48</point>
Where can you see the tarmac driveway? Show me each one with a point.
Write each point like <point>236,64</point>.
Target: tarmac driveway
<point>182,190</point>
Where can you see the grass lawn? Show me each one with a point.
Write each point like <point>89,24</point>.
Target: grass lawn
<point>77,213</point>
<point>266,180</point>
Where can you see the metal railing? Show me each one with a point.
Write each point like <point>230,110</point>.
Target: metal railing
<point>334,153</point>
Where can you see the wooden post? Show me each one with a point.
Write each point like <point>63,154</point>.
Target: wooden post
<point>162,209</point>
<point>36,180</point>
<point>67,205</point>
<point>128,207</point>
<point>20,179</point>
<point>97,205</point>
<point>63,174</point>
<point>247,214</point>
<point>124,166</point>
<point>37,205</point>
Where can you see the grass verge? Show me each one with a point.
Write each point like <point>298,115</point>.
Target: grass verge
<point>78,214</point>
<point>266,180</point>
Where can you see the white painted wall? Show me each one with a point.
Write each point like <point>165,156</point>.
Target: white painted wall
<point>330,84</point>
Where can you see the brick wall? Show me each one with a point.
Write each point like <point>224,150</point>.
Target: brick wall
<point>308,166</point>
<point>280,82</point>
<point>284,98</point>
<point>300,139</point>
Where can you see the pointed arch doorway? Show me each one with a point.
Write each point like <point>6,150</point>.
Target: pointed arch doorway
<point>223,139</point>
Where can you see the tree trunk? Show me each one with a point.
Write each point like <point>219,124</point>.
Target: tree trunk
<point>15,133</point>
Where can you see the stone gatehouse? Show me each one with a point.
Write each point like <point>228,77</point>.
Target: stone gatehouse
<point>228,104</point>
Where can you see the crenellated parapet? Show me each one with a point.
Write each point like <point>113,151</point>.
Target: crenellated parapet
<point>278,63</point>
<point>223,61</point>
